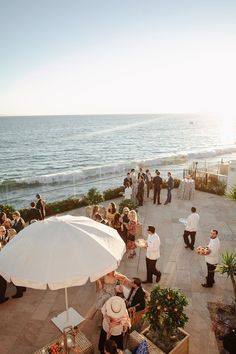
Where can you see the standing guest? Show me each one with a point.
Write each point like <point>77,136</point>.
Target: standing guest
<point>141,173</point>
<point>18,222</point>
<point>157,184</point>
<point>40,204</point>
<point>212,258</point>
<point>148,181</point>
<point>128,191</point>
<point>170,186</point>
<point>116,224</point>
<point>115,322</point>
<point>127,179</point>
<point>5,221</point>
<point>140,192</point>
<point>3,235</point>
<point>111,211</point>
<point>191,229</point>
<point>134,184</point>
<point>33,213</point>
<point>124,219</point>
<point>3,288</point>
<point>132,232</point>
<point>152,255</point>
<point>94,211</point>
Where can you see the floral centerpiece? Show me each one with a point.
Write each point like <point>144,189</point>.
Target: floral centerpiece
<point>165,314</point>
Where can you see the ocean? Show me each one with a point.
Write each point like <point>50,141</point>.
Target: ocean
<point>64,156</point>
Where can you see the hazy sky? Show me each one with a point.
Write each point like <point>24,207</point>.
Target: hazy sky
<point>117,56</point>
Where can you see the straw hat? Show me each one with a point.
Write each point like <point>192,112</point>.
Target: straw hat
<point>115,307</point>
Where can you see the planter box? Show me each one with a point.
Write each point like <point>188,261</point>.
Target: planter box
<point>136,338</point>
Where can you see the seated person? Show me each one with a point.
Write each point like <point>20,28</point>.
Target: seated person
<point>111,347</point>
<point>99,218</point>
<point>136,298</point>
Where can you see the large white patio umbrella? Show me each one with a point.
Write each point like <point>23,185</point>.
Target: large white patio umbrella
<point>61,252</point>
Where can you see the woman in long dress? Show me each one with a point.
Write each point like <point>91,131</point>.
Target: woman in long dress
<point>132,232</point>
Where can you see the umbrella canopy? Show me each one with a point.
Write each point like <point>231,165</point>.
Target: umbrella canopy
<point>61,252</point>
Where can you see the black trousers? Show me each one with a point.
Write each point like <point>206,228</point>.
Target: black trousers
<point>156,195</point>
<point>103,338</point>
<point>151,269</point>
<point>210,274</point>
<point>3,288</point>
<point>192,235</point>
<point>20,290</point>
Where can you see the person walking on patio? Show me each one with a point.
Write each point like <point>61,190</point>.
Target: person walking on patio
<point>152,255</point>
<point>191,229</point>
<point>212,258</point>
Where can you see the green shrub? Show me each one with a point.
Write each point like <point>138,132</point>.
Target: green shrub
<point>127,203</point>
<point>63,205</point>
<point>93,197</point>
<point>113,193</point>
<point>8,209</point>
<point>232,193</point>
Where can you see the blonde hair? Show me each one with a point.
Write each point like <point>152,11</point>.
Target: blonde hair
<point>133,215</point>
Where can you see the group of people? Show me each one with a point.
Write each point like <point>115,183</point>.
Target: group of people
<point>10,228</point>
<point>135,185</point>
<point>125,223</point>
<point>118,312</point>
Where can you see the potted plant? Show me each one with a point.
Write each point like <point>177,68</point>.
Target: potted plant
<point>223,316</point>
<point>228,266</point>
<point>166,317</point>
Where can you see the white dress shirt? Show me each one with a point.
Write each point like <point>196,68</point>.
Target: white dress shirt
<point>153,246</point>
<point>213,256</point>
<point>192,222</point>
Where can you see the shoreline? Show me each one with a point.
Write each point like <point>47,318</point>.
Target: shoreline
<point>59,190</point>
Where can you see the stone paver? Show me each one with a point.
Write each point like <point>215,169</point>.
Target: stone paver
<point>25,323</point>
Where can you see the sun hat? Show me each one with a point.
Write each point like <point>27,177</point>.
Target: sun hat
<point>115,307</point>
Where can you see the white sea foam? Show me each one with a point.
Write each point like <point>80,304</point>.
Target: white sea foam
<point>121,168</point>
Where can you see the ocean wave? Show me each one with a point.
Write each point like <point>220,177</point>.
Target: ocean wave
<point>97,173</point>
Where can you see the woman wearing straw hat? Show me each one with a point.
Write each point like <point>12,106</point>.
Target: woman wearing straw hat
<point>115,322</point>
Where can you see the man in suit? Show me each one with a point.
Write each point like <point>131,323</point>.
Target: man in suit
<point>157,184</point>
<point>33,213</point>
<point>18,222</point>
<point>40,204</point>
<point>170,186</point>
<point>136,298</point>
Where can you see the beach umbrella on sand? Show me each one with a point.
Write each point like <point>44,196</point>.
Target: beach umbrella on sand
<point>61,252</point>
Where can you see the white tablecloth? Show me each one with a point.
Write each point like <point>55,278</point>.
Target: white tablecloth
<point>186,189</point>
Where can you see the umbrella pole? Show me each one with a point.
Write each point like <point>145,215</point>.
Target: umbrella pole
<point>67,313</point>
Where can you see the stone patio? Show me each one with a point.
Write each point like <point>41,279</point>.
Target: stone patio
<point>25,323</point>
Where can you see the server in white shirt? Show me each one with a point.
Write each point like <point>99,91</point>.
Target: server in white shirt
<point>191,229</point>
<point>212,258</point>
<point>152,255</point>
